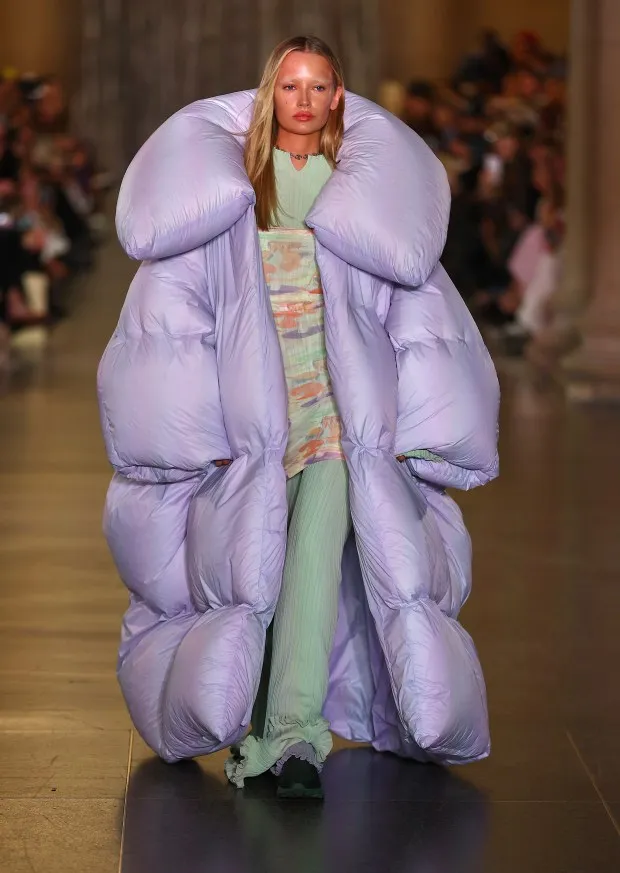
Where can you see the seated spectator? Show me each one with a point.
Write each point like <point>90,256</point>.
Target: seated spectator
<point>528,53</point>
<point>464,255</point>
<point>499,131</point>
<point>509,203</point>
<point>35,214</point>
<point>51,114</point>
<point>487,65</point>
<point>519,103</point>
<point>50,196</point>
<point>553,108</point>
<point>537,260</point>
<point>472,130</point>
<point>418,111</point>
<point>9,161</point>
<point>445,124</point>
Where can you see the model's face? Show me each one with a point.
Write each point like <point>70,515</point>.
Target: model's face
<point>305,93</point>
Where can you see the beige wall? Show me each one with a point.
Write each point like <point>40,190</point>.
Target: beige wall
<point>41,36</point>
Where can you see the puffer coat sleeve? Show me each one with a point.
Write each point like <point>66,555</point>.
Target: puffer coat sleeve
<point>448,392</point>
<point>158,380</point>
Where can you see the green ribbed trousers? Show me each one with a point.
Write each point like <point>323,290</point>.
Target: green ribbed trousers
<point>288,709</point>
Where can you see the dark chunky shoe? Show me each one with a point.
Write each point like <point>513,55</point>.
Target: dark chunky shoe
<point>299,780</point>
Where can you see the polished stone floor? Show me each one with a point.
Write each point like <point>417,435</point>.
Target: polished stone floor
<point>79,791</point>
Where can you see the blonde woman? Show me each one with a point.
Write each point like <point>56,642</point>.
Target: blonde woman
<point>292,385</point>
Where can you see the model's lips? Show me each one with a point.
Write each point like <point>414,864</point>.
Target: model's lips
<point>303,116</point>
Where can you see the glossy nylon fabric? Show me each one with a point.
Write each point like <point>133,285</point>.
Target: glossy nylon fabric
<point>193,373</point>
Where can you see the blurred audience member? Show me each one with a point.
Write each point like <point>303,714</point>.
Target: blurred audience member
<point>488,64</point>
<point>419,105</point>
<point>527,52</point>
<point>536,262</point>
<point>51,198</point>
<point>9,162</point>
<point>553,107</point>
<point>499,129</point>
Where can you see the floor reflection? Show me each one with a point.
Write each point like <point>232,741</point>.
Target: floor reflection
<point>380,814</point>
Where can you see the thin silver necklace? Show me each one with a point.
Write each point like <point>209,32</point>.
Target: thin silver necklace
<point>299,157</point>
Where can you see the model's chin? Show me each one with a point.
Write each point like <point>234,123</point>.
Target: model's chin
<point>313,125</point>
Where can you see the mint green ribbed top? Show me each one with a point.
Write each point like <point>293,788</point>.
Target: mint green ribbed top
<point>297,189</point>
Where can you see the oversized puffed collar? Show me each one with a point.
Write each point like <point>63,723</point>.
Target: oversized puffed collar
<point>385,209</point>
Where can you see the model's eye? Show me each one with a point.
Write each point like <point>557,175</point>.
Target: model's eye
<point>321,88</point>
<point>289,87</point>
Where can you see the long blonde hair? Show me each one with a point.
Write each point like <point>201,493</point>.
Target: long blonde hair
<point>263,130</point>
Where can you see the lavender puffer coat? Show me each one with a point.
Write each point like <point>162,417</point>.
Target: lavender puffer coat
<point>193,373</point>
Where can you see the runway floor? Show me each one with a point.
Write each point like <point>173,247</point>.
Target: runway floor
<point>79,790</point>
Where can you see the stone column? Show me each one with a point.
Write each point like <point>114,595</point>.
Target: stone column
<point>562,334</point>
<point>593,371</point>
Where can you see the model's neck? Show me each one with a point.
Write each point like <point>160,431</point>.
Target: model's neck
<point>298,144</point>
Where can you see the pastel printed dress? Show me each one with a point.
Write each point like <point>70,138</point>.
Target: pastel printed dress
<point>297,304</point>
<point>294,284</point>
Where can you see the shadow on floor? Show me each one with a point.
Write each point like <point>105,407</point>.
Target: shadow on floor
<point>380,814</point>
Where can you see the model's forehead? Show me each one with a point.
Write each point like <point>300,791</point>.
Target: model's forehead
<point>305,65</point>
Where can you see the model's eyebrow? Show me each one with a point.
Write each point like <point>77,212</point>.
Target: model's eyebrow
<point>296,79</point>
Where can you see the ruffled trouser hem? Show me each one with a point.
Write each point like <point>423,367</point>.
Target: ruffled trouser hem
<point>283,740</point>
